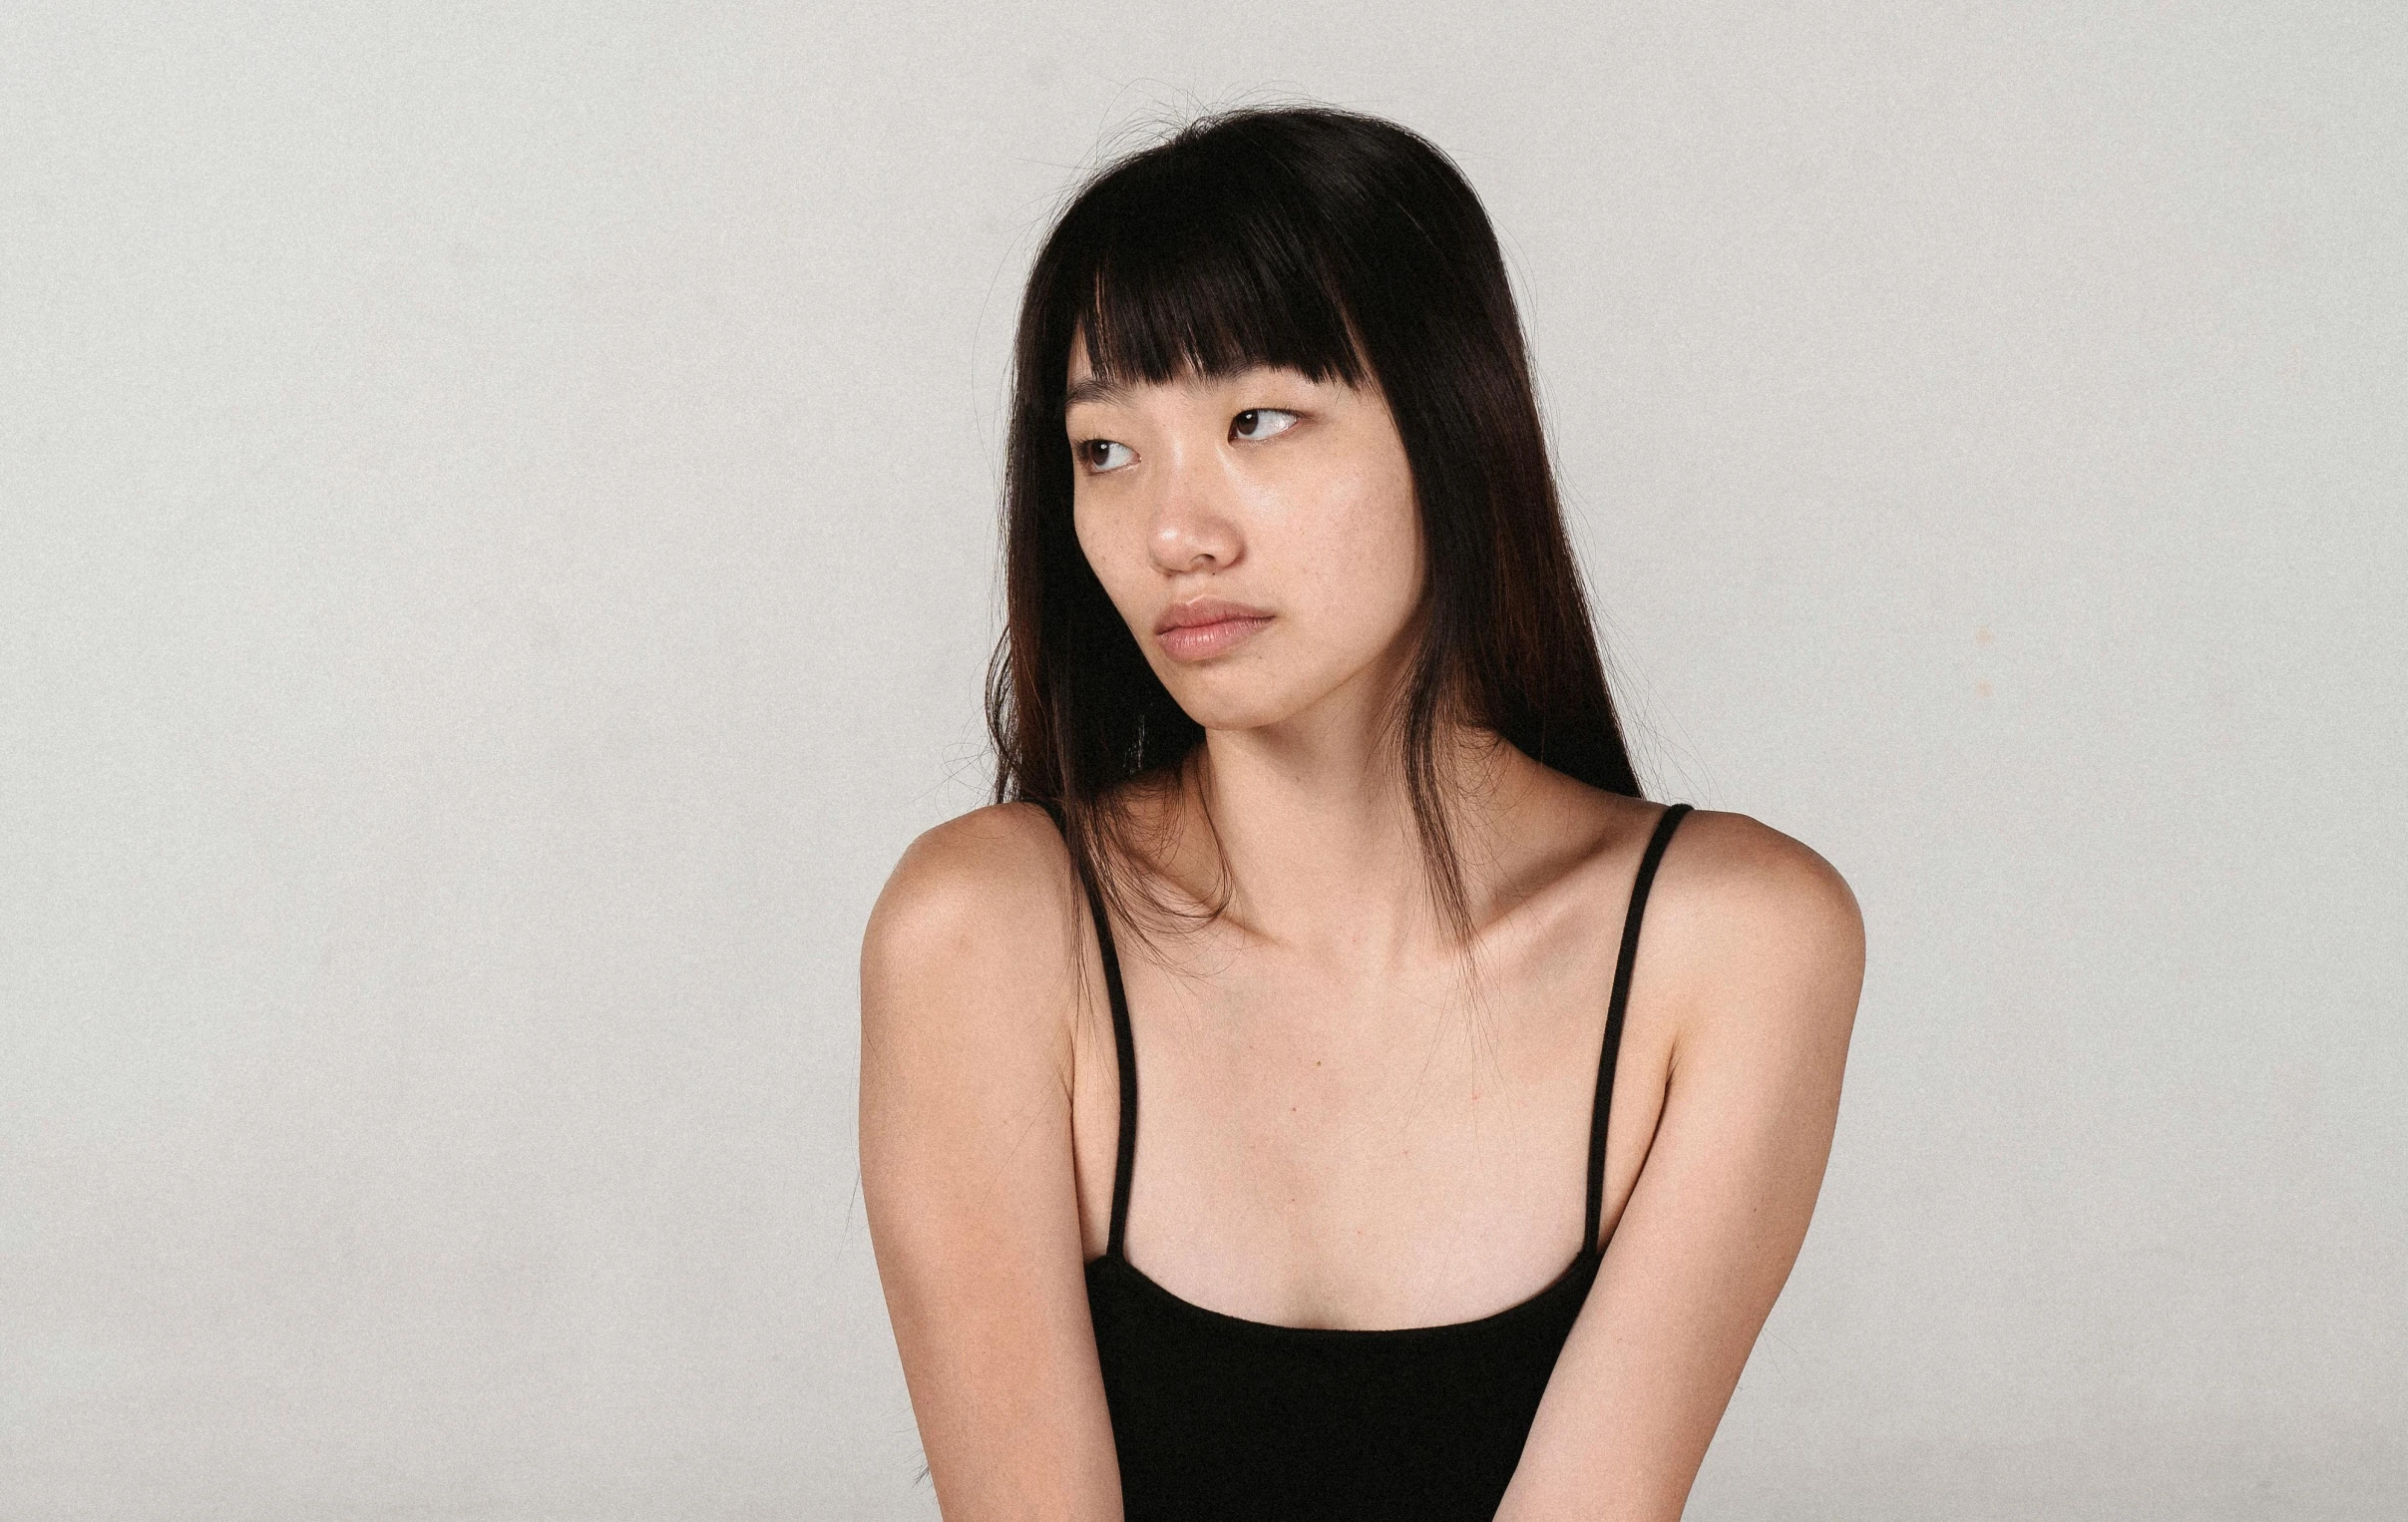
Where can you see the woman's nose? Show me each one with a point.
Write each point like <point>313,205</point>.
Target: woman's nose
<point>1195,522</point>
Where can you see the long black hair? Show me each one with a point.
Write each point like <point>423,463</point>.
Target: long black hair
<point>1343,247</point>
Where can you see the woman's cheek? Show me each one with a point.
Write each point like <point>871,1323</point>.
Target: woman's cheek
<point>1383,545</point>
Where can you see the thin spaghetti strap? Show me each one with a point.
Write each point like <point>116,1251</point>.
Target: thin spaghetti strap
<point>1124,1048</point>
<point>1613,1019</point>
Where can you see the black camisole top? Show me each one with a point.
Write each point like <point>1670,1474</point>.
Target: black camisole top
<point>1216,1417</point>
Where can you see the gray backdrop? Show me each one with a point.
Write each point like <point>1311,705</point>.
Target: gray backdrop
<point>497,553</point>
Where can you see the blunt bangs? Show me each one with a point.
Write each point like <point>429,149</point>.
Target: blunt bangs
<point>1225,266</point>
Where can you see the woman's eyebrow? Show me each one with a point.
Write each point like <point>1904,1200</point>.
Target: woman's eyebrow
<point>1095,388</point>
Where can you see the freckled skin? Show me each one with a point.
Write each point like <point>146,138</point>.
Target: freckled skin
<point>1314,524</point>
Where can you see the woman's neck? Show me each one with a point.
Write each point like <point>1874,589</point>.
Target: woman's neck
<point>1320,840</point>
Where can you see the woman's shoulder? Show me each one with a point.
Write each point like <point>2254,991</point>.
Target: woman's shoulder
<point>1715,863</point>
<point>990,872</point>
<point>1748,915</point>
<point>976,905</point>
<point>1734,904</point>
<point>1742,863</point>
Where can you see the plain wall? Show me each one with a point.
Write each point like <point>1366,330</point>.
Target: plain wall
<point>496,556</point>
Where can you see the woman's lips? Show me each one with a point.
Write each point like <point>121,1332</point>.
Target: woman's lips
<point>1202,641</point>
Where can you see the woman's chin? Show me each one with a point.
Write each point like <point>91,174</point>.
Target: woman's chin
<point>1236,710</point>
<point>1252,704</point>
<point>1259,697</point>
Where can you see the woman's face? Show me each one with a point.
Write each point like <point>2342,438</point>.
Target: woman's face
<point>1256,531</point>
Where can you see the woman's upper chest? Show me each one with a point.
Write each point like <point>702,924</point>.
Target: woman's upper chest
<point>1321,1141</point>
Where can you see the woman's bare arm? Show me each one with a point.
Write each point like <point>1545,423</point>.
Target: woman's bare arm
<point>968,989</point>
<point>1758,948</point>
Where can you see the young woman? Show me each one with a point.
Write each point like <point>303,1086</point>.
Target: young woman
<point>1315,829</point>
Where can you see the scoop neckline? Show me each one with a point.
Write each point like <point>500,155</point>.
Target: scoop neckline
<point>1585,1260</point>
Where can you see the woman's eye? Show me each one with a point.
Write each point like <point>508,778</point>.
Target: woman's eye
<point>1261,423</point>
<point>1103,455</point>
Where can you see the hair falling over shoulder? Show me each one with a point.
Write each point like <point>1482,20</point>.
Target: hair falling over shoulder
<point>1343,247</point>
